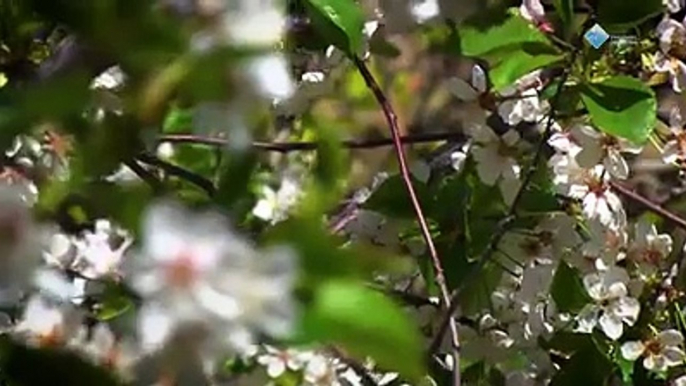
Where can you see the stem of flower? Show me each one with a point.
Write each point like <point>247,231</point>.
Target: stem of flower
<point>392,120</point>
<point>651,206</point>
<point>180,172</point>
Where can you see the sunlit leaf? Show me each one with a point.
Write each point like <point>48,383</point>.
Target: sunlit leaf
<point>341,22</point>
<point>340,314</point>
<point>622,106</point>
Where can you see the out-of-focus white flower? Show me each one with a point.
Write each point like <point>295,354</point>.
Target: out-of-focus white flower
<point>271,76</point>
<point>274,205</point>
<point>660,352</point>
<point>495,162</point>
<point>672,34</point>
<point>277,361</point>
<point>111,79</point>
<point>19,245</point>
<point>674,150</point>
<point>254,22</point>
<point>673,6</point>
<point>532,10</point>
<point>681,381</point>
<point>601,148</point>
<point>47,324</point>
<point>521,101</point>
<point>472,92</point>
<point>603,247</point>
<point>194,270</point>
<point>459,157</point>
<point>649,248</point>
<point>369,226</point>
<point>425,10</point>
<point>54,284</point>
<point>612,307</point>
<point>321,371</point>
<point>96,255</point>
<point>103,349</point>
<point>60,251</point>
<point>421,170</point>
<point>469,92</point>
<point>674,67</point>
<point>123,175</point>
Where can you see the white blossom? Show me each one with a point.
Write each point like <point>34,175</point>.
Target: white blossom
<point>673,6</point>
<point>495,162</point>
<point>425,10</point>
<point>674,150</point>
<point>473,93</point>
<point>96,254</point>
<point>103,348</point>
<point>273,206</point>
<point>602,148</point>
<point>659,353</point>
<point>674,67</point>
<point>194,270</point>
<point>521,101</point>
<point>612,307</point>
<point>254,22</point>
<point>532,10</point>
<point>592,188</point>
<point>321,371</point>
<point>44,323</point>
<point>277,361</point>
<point>649,249</point>
<point>111,79</point>
<point>271,76</point>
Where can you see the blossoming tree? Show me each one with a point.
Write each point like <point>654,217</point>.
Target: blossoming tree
<point>342,192</point>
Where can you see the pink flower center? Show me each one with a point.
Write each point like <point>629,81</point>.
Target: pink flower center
<point>181,272</point>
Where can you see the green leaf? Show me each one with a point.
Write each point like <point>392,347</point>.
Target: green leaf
<point>115,302</point>
<point>341,22</point>
<point>513,62</point>
<point>567,289</point>
<point>235,172</point>
<point>496,29</point>
<point>617,16</point>
<point>622,106</point>
<point>366,323</point>
<point>588,367</point>
<point>565,10</point>
<point>391,198</point>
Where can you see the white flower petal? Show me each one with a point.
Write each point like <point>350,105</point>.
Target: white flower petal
<point>611,326</point>
<point>632,350</point>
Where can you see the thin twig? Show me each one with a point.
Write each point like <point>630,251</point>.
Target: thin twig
<point>145,175</point>
<point>653,207</point>
<point>504,224</point>
<point>392,120</point>
<point>285,147</point>
<point>180,172</point>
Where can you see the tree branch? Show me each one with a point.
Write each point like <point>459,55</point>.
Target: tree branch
<point>180,172</point>
<point>285,147</point>
<point>392,120</point>
<point>651,206</point>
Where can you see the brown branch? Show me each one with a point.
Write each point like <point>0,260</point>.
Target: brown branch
<point>392,120</point>
<point>145,175</point>
<point>651,206</point>
<point>285,147</point>
<point>179,172</point>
